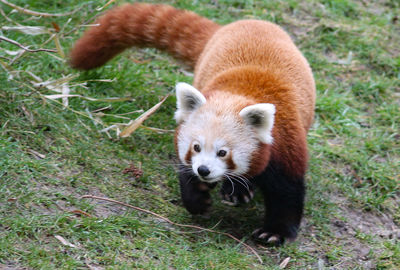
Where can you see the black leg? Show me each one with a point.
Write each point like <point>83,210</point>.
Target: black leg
<point>284,201</point>
<point>195,194</point>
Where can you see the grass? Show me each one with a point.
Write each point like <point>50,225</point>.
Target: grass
<point>50,155</point>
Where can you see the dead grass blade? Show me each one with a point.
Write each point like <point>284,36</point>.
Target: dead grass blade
<point>58,46</point>
<point>65,91</point>
<point>11,72</point>
<point>36,154</point>
<point>35,13</point>
<point>13,53</point>
<point>62,96</point>
<point>106,5</point>
<point>54,85</point>
<point>7,18</point>
<point>159,130</point>
<point>176,224</point>
<point>138,121</point>
<point>29,30</point>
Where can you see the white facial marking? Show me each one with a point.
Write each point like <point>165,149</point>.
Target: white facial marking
<point>216,166</point>
<point>217,127</point>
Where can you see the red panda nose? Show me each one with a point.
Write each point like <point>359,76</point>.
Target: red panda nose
<point>203,171</point>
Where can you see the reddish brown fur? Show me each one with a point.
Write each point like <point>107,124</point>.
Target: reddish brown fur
<point>254,59</point>
<point>188,156</point>
<point>182,33</point>
<point>230,164</point>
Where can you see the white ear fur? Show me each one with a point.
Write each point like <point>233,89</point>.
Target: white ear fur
<point>188,99</point>
<point>261,118</point>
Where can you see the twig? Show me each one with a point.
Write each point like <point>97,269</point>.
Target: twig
<point>23,47</point>
<point>174,223</point>
<point>35,13</point>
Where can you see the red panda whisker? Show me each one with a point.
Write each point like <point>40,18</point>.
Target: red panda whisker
<point>186,170</point>
<point>239,180</point>
<point>233,186</point>
<point>243,183</point>
<point>190,179</point>
<point>245,175</point>
<point>241,176</point>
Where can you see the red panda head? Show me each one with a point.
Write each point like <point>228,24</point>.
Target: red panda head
<point>223,136</point>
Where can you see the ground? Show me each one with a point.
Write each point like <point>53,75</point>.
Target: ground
<point>52,153</point>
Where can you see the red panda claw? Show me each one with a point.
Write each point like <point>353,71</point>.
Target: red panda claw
<point>251,193</point>
<point>228,202</point>
<point>267,238</point>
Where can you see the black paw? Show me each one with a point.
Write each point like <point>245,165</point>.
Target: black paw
<point>267,238</point>
<point>195,194</point>
<point>235,191</point>
<point>197,199</point>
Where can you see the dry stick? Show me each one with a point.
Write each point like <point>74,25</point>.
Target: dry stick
<point>23,47</point>
<point>35,13</point>
<point>174,223</point>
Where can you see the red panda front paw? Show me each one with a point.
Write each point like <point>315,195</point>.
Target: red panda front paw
<point>196,198</point>
<point>267,238</point>
<point>233,193</point>
<point>194,193</point>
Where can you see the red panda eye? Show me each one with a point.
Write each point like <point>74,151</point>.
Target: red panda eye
<point>221,153</point>
<point>197,148</point>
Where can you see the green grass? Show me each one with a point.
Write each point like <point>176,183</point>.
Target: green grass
<point>50,155</point>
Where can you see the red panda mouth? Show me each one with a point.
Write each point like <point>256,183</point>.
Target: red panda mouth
<point>208,179</point>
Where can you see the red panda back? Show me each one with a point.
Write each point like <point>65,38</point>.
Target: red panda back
<point>257,53</point>
<point>182,33</point>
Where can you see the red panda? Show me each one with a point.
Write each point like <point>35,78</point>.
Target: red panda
<point>245,119</point>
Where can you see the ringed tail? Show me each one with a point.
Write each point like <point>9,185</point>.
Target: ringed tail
<point>182,33</point>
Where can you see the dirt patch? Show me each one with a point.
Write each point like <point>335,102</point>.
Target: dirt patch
<point>350,225</point>
<point>356,239</point>
<point>376,224</point>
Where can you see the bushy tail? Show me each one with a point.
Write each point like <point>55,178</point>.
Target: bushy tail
<point>180,32</point>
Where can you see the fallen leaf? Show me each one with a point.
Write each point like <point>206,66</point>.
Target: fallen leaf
<point>64,242</point>
<point>56,26</point>
<point>284,263</point>
<point>136,172</point>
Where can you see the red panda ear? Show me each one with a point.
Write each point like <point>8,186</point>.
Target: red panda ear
<point>188,99</point>
<point>261,118</point>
